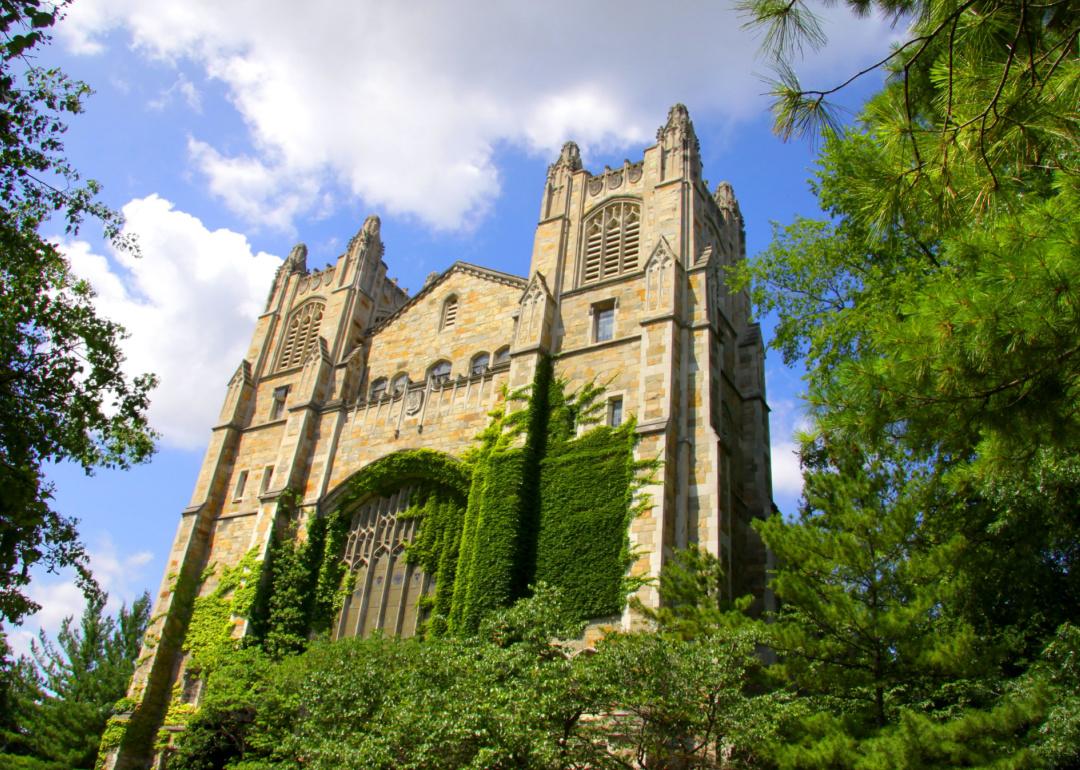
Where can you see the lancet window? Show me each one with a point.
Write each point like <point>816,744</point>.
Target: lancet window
<point>301,334</point>
<point>449,312</point>
<point>439,372</point>
<point>612,241</point>
<point>479,364</point>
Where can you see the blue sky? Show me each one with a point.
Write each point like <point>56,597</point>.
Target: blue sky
<point>227,132</point>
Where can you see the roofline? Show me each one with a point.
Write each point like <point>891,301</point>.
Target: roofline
<point>507,279</point>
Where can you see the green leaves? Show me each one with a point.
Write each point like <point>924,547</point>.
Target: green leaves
<point>66,694</point>
<point>513,696</point>
<point>936,313</point>
<point>64,393</point>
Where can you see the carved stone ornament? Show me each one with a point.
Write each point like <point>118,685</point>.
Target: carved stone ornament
<point>614,180</point>
<point>596,185</point>
<point>635,172</point>
<point>414,399</point>
<point>296,262</point>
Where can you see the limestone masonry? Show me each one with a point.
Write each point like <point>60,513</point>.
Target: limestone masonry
<point>626,288</point>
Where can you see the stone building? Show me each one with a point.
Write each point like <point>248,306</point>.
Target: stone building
<point>626,287</point>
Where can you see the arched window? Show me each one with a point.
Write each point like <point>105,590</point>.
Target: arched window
<point>612,241</point>
<point>502,356</point>
<point>449,312</point>
<point>401,381</point>
<point>439,372</point>
<point>378,389</point>
<point>479,363</point>
<point>301,334</point>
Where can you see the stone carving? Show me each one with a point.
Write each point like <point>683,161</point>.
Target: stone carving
<point>569,159</point>
<point>614,180</point>
<point>414,399</point>
<point>596,185</point>
<point>296,262</point>
<point>658,278</point>
<point>531,315</point>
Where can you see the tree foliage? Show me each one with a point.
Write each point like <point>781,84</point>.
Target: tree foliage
<point>63,393</point>
<point>63,696</point>
<point>511,696</point>
<point>933,569</point>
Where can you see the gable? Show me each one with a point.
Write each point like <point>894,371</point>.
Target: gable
<point>418,335</point>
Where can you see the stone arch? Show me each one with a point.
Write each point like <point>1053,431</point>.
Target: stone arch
<point>386,587</point>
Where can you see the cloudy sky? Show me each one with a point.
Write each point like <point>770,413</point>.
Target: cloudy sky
<point>227,132</point>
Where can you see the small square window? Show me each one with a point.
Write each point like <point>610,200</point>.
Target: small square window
<point>614,412</point>
<point>241,482</point>
<point>277,408</point>
<point>603,322</point>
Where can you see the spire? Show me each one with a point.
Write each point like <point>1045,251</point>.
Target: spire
<point>680,151</point>
<point>363,254</point>
<point>734,229</point>
<point>679,126</point>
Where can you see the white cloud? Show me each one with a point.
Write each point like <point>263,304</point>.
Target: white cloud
<point>403,104</point>
<point>119,575</point>
<point>786,419</point>
<point>786,473</point>
<point>182,87</point>
<point>188,304</point>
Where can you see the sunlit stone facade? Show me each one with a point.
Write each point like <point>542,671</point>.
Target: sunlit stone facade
<point>626,288</point>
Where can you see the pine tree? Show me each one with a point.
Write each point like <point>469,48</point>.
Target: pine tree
<point>64,696</point>
<point>938,316</point>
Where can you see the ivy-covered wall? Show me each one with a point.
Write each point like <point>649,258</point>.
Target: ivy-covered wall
<point>586,501</point>
<point>545,495</point>
<point>546,504</point>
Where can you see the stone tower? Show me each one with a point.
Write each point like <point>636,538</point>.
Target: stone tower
<point>626,287</point>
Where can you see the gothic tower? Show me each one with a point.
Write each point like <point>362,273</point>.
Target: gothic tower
<point>626,288</point>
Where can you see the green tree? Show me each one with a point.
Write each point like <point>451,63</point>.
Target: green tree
<point>937,313</point>
<point>694,599</point>
<point>64,697</point>
<point>63,393</point>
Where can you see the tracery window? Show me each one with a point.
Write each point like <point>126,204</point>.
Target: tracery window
<point>612,241</point>
<point>378,389</point>
<point>479,363</point>
<point>386,588</point>
<point>301,334</point>
<point>449,312</point>
<point>439,372</point>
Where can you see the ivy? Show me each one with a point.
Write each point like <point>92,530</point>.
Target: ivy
<point>214,617</point>
<point>111,739</point>
<point>388,474</point>
<point>555,509</point>
<point>436,550</point>
<point>586,501</point>
<point>493,566</point>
